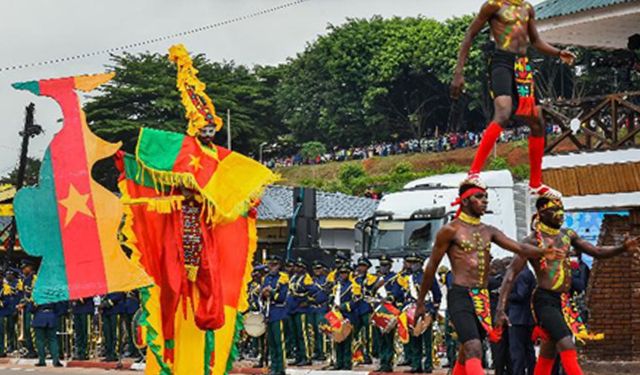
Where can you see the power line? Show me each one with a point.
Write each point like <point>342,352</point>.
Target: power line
<point>156,40</point>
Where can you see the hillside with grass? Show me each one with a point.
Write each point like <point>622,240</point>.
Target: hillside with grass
<point>391,173</point>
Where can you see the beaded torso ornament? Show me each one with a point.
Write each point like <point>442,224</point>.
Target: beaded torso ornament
<point>191,237</point>
<point>559,269</point>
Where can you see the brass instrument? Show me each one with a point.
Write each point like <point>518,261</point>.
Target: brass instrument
<point>95,334</point>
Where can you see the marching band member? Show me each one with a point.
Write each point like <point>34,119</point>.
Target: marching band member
<point>299,285</point>
<point>111,307</point>
<point>319,299</point>
<point>425,340</point>
<point>45,323</point>
<point>11,296</point>
<point>391,287</point>
<point>82,309</point>
<point>253,292</point>
<point>28,281</point>
<point>346,294</point>
<point>275,287</point>
<point>363,328</point>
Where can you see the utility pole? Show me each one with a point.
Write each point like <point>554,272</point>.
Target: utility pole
<point>30,130</point>
<point>228,128</point>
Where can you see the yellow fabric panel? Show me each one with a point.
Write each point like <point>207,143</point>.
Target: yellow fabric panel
<point>237,180</point>
<point>6,210</point>
<point>189,343</point>
<point>154,319</point>
<point>224,340</point>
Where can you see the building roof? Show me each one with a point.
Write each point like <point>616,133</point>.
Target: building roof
<point>277,204</point>
<point>595,179</point>
<point>605,24</point>
<point>557,8</point>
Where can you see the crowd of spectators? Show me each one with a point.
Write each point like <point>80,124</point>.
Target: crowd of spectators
<point>444,142</point>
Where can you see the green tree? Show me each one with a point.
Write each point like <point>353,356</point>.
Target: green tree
<point>369,80</point>
<point>31,174</point>
<point>313,149</point>
<point>143,93</point>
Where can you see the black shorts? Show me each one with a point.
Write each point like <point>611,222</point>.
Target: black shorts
<point>463,315</point>
<point>547,309</point>
<point>503,80</point>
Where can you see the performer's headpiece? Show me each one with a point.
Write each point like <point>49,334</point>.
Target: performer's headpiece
<point>468,188</point>
<point>198,106</point>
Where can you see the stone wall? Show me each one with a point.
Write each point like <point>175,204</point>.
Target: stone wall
<point>614,296</point>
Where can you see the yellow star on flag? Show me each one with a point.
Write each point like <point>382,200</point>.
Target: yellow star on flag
<point>195,163</point>
<point>74,203</point>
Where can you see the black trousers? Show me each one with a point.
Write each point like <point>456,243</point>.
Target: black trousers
<point>500,355</point>
<point>523,355</point>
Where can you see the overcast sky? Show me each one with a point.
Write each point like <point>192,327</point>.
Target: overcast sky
<point>38,30</point>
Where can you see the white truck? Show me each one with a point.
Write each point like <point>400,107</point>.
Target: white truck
<point>407,221</point>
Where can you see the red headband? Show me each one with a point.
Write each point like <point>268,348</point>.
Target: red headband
<point>467,194</point>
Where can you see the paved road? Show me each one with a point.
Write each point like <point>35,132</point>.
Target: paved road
<point>18,370</point>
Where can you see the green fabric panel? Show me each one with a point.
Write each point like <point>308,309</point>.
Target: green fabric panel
<point>158,149</point>
<point>31,86</point>
<point>36,210</point>
<point>133,171</point>
<point>209,348</point>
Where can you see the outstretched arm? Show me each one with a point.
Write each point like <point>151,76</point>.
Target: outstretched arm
<point>517,265</point>
<point>486,12</point>
<point>443,240</point>
<point>543,47</point>
<point>524,249</point>
<point>603,252</point>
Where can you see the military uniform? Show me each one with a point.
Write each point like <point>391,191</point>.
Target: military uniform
<point>347,293</point>
<point>319,299</point>
<point>422,345</point>
<point>12,291</point>
<point>299,286</point>
<point>111,306</point>
<point>290,342</point>
<point>82,309</point>
<point>257,346</point>
<point>275,287</point>
<point>394,287</point>
<point>363,328</point>
<point>28,283</point>
<point>45,323</point>
<point>130,305</point>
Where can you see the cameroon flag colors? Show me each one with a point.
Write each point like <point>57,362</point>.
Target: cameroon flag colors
<point>227,180</point>
<point>231,183</point>
<point>68,219</point>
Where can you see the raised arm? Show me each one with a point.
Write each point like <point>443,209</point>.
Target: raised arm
<point>486,12</point>
<point>524,249</point>
<point>543,47</point>
<point>517,265</point>
<point>443,241</point>
<point>603,252</point>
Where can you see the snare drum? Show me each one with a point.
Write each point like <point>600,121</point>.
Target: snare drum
<point>385,317</point>
<point>417,325</point>
<point>254,324</point>
<point>336,325</point>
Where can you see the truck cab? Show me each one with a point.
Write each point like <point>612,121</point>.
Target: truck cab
<point>407,221</point>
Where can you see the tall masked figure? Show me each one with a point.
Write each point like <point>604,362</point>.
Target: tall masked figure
<point>190,222</point>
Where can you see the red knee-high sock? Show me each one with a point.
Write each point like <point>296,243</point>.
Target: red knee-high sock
<point>489,138</point>
<point>544,366</point>
<point>536,151</point>
<point>459,369</point>
<point>569,359</point>
<point>473,366</point>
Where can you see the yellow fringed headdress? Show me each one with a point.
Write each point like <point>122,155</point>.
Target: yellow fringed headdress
<point>199,108</point>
